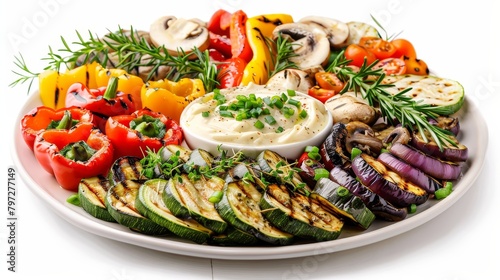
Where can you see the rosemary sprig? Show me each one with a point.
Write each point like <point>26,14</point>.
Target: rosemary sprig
<point>281,53</point>
<point>414,115</point>
<point>126,50</point>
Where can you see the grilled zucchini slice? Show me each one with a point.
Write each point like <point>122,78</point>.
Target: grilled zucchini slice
<point>277,169</point>
<point>187,197</point>
<point>299,215</point>
<point>120,202</point>
<point>149,202</point>
<point>239,206</point>
<point>234,237</point>
<point>92,194</point>
<point>342,203</point>
<point>444,93</point>
<point>126,168</point>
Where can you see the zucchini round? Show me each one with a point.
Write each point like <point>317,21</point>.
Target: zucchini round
<point>150,203</point>
<point>92,194</point>
<point>120,202</point>
<point>240,208</point>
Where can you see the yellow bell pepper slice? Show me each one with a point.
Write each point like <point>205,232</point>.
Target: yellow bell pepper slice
<point>170,98</point>
<point>259,29</point>
<point>53,85</point>
<point>127,83</point>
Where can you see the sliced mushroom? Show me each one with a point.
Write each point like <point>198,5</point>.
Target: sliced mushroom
<point>361,136</point>
<point>179,35</point>
<point>311,47</point>
<point>347,108</point>
<point>399,134</point>
<point>294,79</point>
<point>336,31</point>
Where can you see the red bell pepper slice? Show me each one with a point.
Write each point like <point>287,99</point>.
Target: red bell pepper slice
<point>231,72</point>
<point>143,130</point>
<point>219,22</point>
<point>238,35</point>
<point>71,155</point>
<point>220,43</point>
<point>103,102</point>
<point>43,117</point>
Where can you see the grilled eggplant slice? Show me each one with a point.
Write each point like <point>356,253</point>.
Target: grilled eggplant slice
<point>299,215</point>
<point>187,197</point>
<point>240,208</point>
<point>333,150</point>
<point>378,205</point>
<point>388,184</point>
<point>92,194</point>
<point>121,204</point>
<point>340,201</point>
<point>149,202</point>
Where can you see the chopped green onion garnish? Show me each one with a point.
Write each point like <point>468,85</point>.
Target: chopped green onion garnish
<point>412,208</point>
<point>314,155</point>
<point>342,191</point>
<point>205,114</point>
<point>291,92</point>
<point>294,102</point>
<point>215,197</point>
<point>258,124</point>
<point>270,120</point>
<point>303,114</point>
<point>355,152</point>
<point>279,129</point>
<point>321,173</point>
<point>310,149</point>
<point>74,199</point>
<point>226,114</point>
<point>288,112</point>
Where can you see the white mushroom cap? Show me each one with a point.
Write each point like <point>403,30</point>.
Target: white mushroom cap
<point>311,47</point>
<point>179,35</point>
<point>336,31</point>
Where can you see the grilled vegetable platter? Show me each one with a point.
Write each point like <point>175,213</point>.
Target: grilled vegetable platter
<point>105,129</point>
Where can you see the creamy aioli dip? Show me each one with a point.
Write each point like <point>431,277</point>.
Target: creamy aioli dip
<point>243,132</point>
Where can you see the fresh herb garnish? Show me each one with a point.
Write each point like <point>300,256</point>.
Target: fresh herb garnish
<point>367,81</point>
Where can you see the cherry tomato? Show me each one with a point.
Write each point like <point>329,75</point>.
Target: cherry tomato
<point>415,66</point>
<point>320,93</point>
<point>403,48</point>
<point>357,54</point>
<point>231,72</point>
<point>328,80</point>
<point>380,47</point>
<point>392,66</point>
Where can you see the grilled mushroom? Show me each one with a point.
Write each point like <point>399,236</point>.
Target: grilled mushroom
<point>336,31</point>
<point>179,35</point>
<point>311,47</point>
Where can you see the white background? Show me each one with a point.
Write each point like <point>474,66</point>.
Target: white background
<point>459,40</point>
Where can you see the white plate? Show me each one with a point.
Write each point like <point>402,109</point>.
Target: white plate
<point>474,135</point>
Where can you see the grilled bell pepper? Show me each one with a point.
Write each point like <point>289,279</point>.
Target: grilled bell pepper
<point>43,117</point>
<point>143,130</point>
<point>103,102</point>
<point>170,98</point>
<point>126,82</point>
<point>258,30</point>
<point>54,85</point>
<point>71,155</point>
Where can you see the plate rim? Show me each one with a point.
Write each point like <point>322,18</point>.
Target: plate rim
<point>169,245</point>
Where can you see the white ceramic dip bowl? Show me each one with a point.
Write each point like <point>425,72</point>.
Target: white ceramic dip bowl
<point>218,122</point>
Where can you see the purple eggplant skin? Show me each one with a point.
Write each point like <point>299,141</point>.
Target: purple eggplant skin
<point>458,153</point>
<point>434,167</point>
<point>379,206</point>
<point>333,151</point>
<point>410,173</point>
<point>386,183</point>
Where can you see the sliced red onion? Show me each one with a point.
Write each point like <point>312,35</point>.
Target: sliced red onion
<point>410,173</point>
<point>379,206</point>
<point>456,153</point>
<point>386,183</point>
<point>432,166</point>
